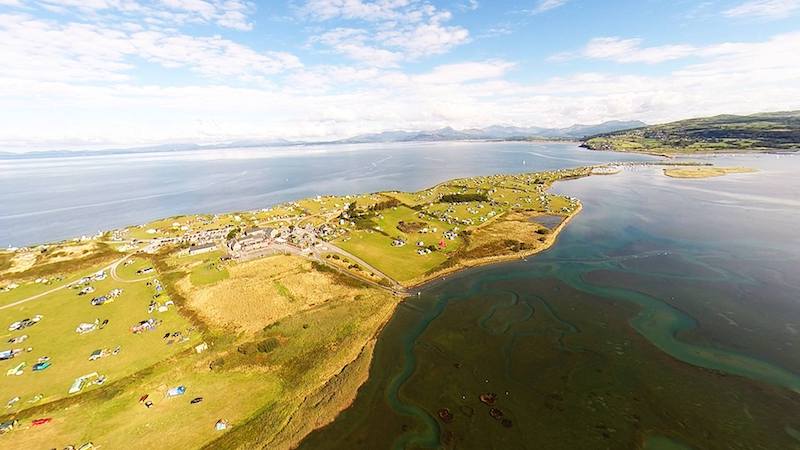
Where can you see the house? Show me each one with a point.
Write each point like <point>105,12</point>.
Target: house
<point>203,248</point>
<point>200,348</point>
<point>255,231</point>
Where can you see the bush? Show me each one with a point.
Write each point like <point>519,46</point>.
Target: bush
<point>217,364</point>
<point>461,198</point>
<point>267,345</point>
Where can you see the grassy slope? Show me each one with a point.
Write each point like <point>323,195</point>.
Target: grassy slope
<point>719,134</point>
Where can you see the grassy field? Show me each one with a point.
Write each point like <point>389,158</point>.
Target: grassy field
<point>460,206</point>
<point>374,245</point>
<point>55,337</point>
<point>278,332</point>
<point>719,134</point>
<point>704,172</point>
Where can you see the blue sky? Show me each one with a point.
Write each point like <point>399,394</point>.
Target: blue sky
<point>95,73</point>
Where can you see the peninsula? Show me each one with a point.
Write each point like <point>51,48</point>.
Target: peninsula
<point>756,133</point>
<point>158,326</point>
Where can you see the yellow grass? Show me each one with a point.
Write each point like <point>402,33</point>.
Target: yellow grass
<point>264,291</point>
<point>704,171</point>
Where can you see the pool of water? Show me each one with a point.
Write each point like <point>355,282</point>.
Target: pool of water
<point>548,221</point>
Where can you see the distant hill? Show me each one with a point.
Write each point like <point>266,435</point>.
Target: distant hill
<point>765,132</point>
<point>495,132</point>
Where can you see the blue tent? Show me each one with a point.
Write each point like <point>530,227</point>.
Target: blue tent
<point>41,366</point>
<point>176,391</point>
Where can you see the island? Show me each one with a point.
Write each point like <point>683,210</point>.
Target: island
<point>704,171</point>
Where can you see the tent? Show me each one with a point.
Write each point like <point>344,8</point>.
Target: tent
<point>85,328</point>
<point>41,366</point>
<point>16,370</point>
<point>176,391</point>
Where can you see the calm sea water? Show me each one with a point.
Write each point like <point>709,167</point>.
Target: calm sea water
<point>666,316</point>
<point>48,199</point>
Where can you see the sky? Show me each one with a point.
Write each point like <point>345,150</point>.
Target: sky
<point>109,73</point>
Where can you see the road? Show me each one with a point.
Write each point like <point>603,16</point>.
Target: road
<point>315,252</point>
<point>109,267</point>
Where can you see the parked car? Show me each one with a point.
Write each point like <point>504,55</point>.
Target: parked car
<point>8,425</point>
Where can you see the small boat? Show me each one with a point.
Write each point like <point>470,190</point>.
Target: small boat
<point>488,398</point>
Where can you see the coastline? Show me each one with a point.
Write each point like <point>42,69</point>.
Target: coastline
<point>426,281</point>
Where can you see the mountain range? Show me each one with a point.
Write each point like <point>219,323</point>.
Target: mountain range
<point>573,132</point>
<point>495,132</point>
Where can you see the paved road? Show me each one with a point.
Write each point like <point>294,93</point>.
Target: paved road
<point>316,252</point>
<point>113,271</point>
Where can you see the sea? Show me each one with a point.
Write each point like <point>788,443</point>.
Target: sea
<point>666,316</point>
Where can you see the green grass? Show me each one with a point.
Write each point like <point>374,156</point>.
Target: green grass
<point>400,263</point>
<point>283,291</point>
<point>718,134</point>
<point>55,336</point>
<point>209,271</point>
<point>257,392</point>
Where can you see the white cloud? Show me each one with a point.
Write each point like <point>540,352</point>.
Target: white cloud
<point>82,81</point>
<point>392,30</point>
<point>631,51</point>
<point>353,43</point>
<point>731,78</point>
<point>356,9</point>
<point>547,5</point>
<point>36,49</point>
<point>469,5</point>
<point>767,9</point>
<point>464,72</point>
<point>225,13</point>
